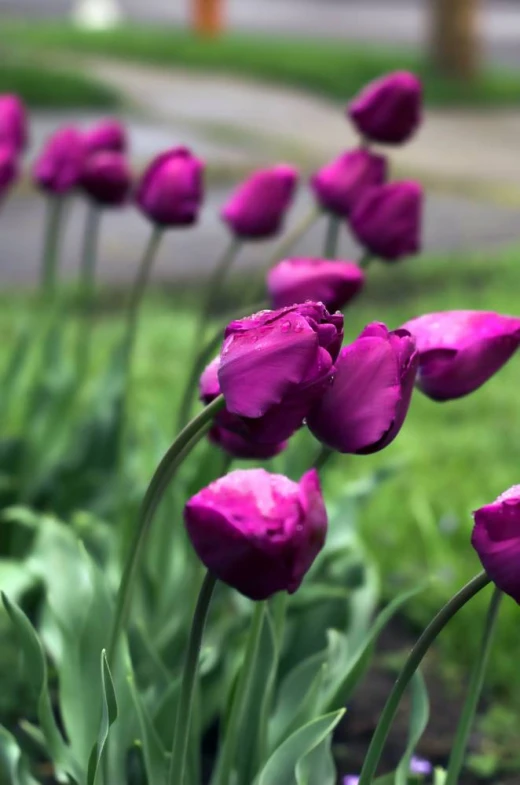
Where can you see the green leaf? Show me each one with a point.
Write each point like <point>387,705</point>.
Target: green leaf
<point>154,753</point>
<point>14,769</point>
<point>108,717</point>
<point>439,776</point>
<point>419,715</point>
<point>281,767</point>
<point>15,578</point>
<point>318,766</point>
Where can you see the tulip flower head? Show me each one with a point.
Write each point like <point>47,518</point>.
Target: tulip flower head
<point>364,408</point>
<point>330,282</point>
<point>109,135</point>
<point>350,779</point>
<point>171,190</point>
<point>257,208</point>
<point>258,532</point>
<point>420,766</point>
<point>107,179</point>
<point>496,539</point>
<point>388,110</point>
<point>59,167</point>
<point>387,220</point>
<point>275,365</point>
<point>460,350</point>
<point>8,168</point>
<point>13,123</point>
<point>339,185</point>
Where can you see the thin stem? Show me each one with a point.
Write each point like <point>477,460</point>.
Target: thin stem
<point>87,284</point>
<point>140,285</point>
<point>365,260</point>
<point>189,679</point>
<point>469,710</point>
<point>240,699</point>
<point>323,457</point>
<point>279,613</point>
<point>332,237</point>
<point>412,663</point>
<point>51,245</point>
<point>164,473</point>
<point>215,286</point>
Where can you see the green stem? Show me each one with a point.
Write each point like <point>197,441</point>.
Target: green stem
<point>87,287</point>
<point>469,710</point>
<point>323,457</point>
<point>279,613</point>
<point>139,287</point>
<point>365,260</point>
<point>189,678</point>
<point>51,245</point>
<point>332,237</point>
<point>240,699</point>
<point>412,663</point>
<point>164,473</point>
<point>215,286</point>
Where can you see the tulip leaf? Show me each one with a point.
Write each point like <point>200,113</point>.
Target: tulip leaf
<point>155,758</point>
<point>283,763</point>
<point>14,769</point>
<point>317,766</point>
<point>108,717</point>
<point>419,715</point>
<point>15,578</point>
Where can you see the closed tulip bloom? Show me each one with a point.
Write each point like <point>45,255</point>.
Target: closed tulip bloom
<point>340,183</point>
<point>389,109</point>
<point>13,123</point>
<point>496,539</point>
<point>258,532</point>
<point>107,135</point>
<point>171,190</point>
<point>330,282</point>
<point>59,166</point>
<point>387,220</point>
<point>107,179</point>
<point>8,168</point>
<point>365,407</point>
<point>276,364</point>
<point>460,350</point>
<point>229,431</point>
<point>257,208</point>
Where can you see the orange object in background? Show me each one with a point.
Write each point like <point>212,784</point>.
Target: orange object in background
<point>208,17</point>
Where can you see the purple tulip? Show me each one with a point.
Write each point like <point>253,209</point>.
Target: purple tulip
<point>364,408</point>
<point>350,779</point>
<point>331,282</point>
<point>258,532</point>
<point>420,766</point>
<point>496,539</point>
<point>388,110</point>
<point>387,220</point>
<point>340,183</point>
<point>460,350</point>
<point>229,431</point>
<point>257,208</point>
<point>276,364</point>
<point>107,135</point>
<point>107,178</point>
<point>13,123</point>
<point>8,168</point>
<point>171,190</point>
<point>59,166</point>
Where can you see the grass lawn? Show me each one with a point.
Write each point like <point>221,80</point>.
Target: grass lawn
<point>330,68</point>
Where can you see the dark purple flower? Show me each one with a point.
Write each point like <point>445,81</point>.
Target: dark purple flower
<point>387,220</point>
<point>330,282</point>
<point>364,408</point>
<point>276,364</point>
<point>388,110</point>
<point>340,183</point>
<point>8,168</point>
<point>13,123</point>
<point>171,190</point>
<point>257,208</point>
<point>230,431</point>
<point>258,532</point>
<point>59,166</point>
<point>496,538</point>
<point>107,135</point>
<point>107,178</point>
<point>460,350</point>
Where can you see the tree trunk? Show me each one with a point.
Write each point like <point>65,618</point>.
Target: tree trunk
<point>208,17</point>
<point>454,42</point>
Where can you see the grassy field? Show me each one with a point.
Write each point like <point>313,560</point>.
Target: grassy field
<point>330,68</point>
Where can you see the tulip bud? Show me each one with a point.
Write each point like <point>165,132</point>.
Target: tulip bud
<point>257,208</point>
<point>364,408</point>
<point>387,220</point>
<point>420,766</point>
<point>460,350</point>
<point>107,135</point>
<point>8,168</point>
<point>339,185</point>
<point>107,178</point>
<point>13,123</point>
<point>275,365</point>
<point>171,190</point>
<point>389,109</point>
<point>59,166</point>
<point>229,431</point>
<point>496,539</point>
<point>330,282</point>
<point>258,532</point>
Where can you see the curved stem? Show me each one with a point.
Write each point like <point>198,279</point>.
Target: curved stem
<point>469,710</point>
<point>164,473</point>
<point>215,286</point>
<point>412,663</point>
<point>87,287</point>
<point>51,245</point>
<point>189,677</point>
<point>140,285</point>
<point>323,457</point>
<point>332,237</point>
